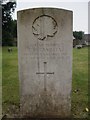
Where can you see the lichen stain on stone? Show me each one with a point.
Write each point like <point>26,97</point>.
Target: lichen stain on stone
<point>23,16</point>
<point>43,106</point>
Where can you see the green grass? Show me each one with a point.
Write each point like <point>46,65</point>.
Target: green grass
<point>10,81</point>
<point>79,82</point>
<point>0,65</point>
<point>0,81</point>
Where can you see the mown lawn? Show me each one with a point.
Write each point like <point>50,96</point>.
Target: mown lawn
<point>80,82</point>
<point>0,82</point>
<point>10,82</point>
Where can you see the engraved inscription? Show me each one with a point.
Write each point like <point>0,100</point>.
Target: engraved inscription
<point>46,50</point>
<point>44,26</point>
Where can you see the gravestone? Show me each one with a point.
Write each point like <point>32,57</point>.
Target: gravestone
<point>45,62</point>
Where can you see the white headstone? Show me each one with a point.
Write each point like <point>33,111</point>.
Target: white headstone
<point>45,61</point>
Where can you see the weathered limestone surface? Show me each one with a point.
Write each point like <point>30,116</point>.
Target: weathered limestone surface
<point>45,61</point>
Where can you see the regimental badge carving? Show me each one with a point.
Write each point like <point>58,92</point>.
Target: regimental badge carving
<point>44,26</point>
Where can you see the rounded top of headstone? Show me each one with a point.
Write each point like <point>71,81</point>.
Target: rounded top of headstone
<point>38,8</point>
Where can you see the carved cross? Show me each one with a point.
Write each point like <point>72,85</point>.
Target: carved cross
<point>45,74</point>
